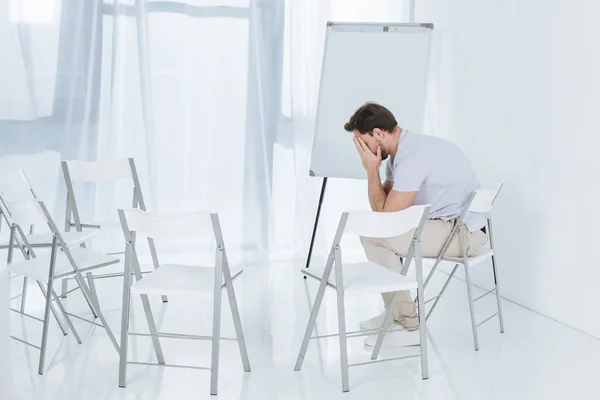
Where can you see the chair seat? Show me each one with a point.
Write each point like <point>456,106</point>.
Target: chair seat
<point>485,255</point>
<point>85,259</point>
<point>71,238</point>
<point>366,277</point>
<point>177,279</point>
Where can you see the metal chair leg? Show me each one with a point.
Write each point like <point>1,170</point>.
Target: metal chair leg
<point>92,285</point>
<point>27,256</point>
<point>468,280</point>
<point>9,259</point>
<point>236,316</point>
<point>125,313</point>
<point>66,316</point>
<point>216,331</point>
<point>498,299</point>
<point>147,310</point>
<point>423,342</point>
<point>439,296</point>
<point>496,278</point>
<point>54,313</point>
<point>339,282</point>
<point>314,313</point>
<point>422,311</point>
<point>47,307</point>
<point>86,292</point>
<point>24,293</point>
<point>471,308</point>
<point>43,346</point>
<point>387,322</point>
<point>124,340</point>
<point>65,289</point>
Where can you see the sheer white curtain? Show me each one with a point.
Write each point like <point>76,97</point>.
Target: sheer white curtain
<point>188,88</point>
<point>215,100</point>
<point>47,89</point>
<point>179,93</point>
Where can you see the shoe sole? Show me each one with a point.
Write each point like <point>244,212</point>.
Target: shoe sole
<point>403,328</point>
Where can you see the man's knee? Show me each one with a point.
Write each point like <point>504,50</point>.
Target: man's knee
<point>477,241</point>
<point>369,242</point>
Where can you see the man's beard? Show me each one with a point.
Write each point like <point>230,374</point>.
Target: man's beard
<point>384,154</point>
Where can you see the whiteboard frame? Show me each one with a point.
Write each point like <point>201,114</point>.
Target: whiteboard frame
<point>354,26</point>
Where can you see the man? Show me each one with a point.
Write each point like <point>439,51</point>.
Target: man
<point>421,170</point>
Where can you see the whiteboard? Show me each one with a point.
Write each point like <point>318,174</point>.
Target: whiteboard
<point>381,62</point>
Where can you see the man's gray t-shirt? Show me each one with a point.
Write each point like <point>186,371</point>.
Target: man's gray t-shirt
<point>440,172</point>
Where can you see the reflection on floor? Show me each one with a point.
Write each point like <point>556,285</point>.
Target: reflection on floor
<point>535,359</point>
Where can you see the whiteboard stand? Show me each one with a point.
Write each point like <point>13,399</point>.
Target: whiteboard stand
<point>400,84</point>
<point>314,232</point>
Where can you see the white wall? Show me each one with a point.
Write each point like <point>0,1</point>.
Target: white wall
<point>518,88</point>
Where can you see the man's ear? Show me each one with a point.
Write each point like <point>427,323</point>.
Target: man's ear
<point>378,134</point>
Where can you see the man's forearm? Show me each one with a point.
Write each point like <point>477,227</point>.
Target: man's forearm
<point>377,195</point>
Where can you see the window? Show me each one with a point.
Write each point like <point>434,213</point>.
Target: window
<point>34,11</point>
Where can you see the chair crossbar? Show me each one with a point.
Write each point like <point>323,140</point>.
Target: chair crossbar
<point>487,319</point>
<point>307,273</point>
<point>384,360</point>
<point>169,365</point>
<point>26,315</point>
<point>485,294</point>
<point>16,297</point>
<point>83,319</point>
<point>103,276</point>
<point>24,342</point>
<point>69,292</point>
<point>72,273</point>
<point>431,299</point>
<point>365,332</point>
<point>180,336</point>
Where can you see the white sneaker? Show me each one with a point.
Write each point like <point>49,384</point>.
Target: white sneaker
<point>373,323</point>
<point>395,339</point>
<point>411,324</point>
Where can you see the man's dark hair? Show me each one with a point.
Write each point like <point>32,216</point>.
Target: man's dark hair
<point>369,117</point>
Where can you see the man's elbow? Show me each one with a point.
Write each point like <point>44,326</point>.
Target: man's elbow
<point>395,208</point>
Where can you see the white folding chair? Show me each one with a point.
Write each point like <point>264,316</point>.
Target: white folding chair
<point>481,201</point>
<point>368,277</point>
<point>175,279</point>
<point>65,259</point>
<point>95,172</point>
<point>14,185</point>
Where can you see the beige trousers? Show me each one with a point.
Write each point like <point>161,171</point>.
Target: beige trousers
<point>387,252</point>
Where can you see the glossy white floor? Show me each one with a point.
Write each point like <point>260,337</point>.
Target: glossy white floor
<point>535,359</point>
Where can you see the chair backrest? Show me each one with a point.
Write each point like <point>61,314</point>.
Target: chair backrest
<point>385,224</point>
<point>183,226</point>
<point>114,172</point>
<point>15,186</point>
<point>483,200</point>
<point>97,171</point>
<point>43,173</point>
<point>24,212</point>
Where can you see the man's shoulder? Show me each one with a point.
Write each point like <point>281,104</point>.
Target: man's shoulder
<point>429,143</point>
<point>428,150</point>
<point>414,143</point>
<point>426,137</point>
